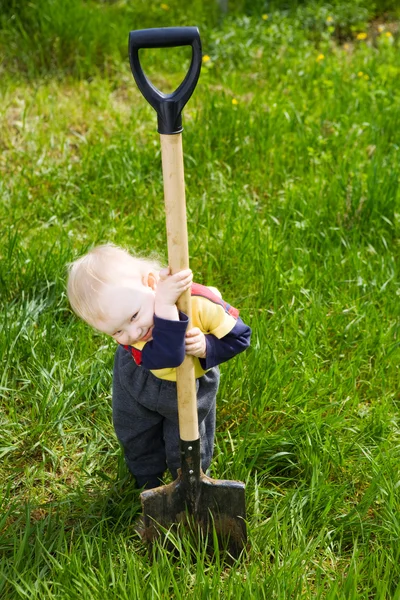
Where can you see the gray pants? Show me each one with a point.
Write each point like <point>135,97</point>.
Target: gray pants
<point>145,416</point>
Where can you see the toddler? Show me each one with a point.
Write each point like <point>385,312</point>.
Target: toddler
<point>133,300</point>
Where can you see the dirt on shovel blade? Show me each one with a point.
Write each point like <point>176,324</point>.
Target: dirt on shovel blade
<point>208,504</point>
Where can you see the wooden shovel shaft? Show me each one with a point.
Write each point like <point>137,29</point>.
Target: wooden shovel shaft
<point>178,259</point>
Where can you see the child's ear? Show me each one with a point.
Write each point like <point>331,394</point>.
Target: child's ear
<point>150,281</point>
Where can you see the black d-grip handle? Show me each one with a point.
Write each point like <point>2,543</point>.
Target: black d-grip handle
<point>167,106</point>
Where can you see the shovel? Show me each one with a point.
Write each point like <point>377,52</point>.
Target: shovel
<point>193,500</point>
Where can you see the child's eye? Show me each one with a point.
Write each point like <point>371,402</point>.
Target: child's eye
<point>116,333</point>
<point>134,316</point>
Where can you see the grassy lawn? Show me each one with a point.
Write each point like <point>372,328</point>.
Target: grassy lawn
<point>292,162</point>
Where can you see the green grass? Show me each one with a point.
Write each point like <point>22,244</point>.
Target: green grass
<point>293,212</point>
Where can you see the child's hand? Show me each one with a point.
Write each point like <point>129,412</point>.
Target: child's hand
<point>195,343</point>
<point>169,288</point>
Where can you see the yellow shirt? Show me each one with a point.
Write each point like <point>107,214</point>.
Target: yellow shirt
<point>210,317</point>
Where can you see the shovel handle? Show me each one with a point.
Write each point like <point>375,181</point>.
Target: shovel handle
<point>167,106</point>
<point>178,259</point>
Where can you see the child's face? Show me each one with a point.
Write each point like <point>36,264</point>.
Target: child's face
<point>129,311</point>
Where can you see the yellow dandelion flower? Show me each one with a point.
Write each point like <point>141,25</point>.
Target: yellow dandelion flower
<point>329,19</point>
<point>366,77</point>
<point>264,17</point>
<point>362,36</point>
<point>165,6</point>
<point>234,101</point>
<point>346,46</point>
<point>360,74</point>
<point>381,28</point>
<point>206,58</point>
<point>388,34</point>
<point>320,57</point>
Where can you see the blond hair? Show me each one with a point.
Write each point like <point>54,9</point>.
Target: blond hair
<point>102,266</point>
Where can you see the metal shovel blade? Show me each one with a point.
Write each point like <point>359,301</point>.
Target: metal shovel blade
<point>195,501</point>
<point>210,504</point>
